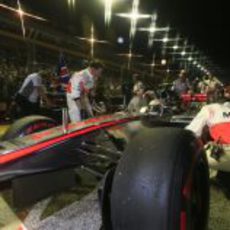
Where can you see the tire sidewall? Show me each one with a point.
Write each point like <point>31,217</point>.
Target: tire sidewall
<point>148,181</point>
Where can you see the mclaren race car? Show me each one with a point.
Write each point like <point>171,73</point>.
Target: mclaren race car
<point>157,176</point>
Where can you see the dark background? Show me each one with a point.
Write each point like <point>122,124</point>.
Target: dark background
<point>205,24</point>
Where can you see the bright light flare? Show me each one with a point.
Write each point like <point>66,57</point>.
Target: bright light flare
<point>134,17</point>
<point>71,3</point>
<point>152,29</point>
<point>183,53</point>
<point>19,11</point>
<point>163,62</point>
<point>108,10</point>
<point>175,47</point>
<point>92,41</point>
<point>181,59</point>
<point>166,40</point>
<point>120,40</point>
<point>130,55</point>
<point>202,68</point>
<point>153,64</point>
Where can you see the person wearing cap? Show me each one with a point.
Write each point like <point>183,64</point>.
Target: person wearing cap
<point>79,87</point>
<point>215,118</point>
<point>31,91</point>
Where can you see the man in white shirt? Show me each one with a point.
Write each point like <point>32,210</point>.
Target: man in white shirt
<point>216,117</point>
<point>181,85</point>
<point>138,100</point>
<point>79,87</point>
<point>30,93</point>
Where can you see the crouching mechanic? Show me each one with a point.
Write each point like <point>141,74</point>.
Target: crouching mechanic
<point>79,87</point>
<point>216,117</point>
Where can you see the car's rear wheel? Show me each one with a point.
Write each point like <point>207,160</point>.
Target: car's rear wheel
<point>161,182</point>
<point>28,125</point>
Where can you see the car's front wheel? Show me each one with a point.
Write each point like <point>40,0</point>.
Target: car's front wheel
<point>161,183</point>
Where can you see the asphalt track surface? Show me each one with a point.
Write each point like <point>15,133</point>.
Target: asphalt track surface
<point>85,214</point>
<point>219,210</point>
<point>79,209</point>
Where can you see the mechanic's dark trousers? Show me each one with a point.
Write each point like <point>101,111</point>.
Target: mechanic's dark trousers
<point>27,107</point>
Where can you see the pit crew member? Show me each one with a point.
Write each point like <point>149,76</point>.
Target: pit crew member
<point>79,87</point>
<point>32,90</point>
<point>216,117</point>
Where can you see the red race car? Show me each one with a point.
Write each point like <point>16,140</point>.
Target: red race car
<point>158,174</point>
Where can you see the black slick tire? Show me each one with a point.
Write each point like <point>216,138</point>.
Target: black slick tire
<point>161,183</point>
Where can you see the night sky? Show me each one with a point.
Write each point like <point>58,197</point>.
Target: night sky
<point>204,23</point>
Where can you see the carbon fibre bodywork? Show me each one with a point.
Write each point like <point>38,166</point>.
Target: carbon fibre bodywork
<point>53,149</point>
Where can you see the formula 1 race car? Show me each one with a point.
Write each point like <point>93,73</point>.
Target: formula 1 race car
<point>157,176</point>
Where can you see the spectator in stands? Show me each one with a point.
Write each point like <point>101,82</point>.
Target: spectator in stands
<point>195,85</point>
<point>127,87</point>
<point>30,93</point>
<point>138,101</point>
<point>79,87</point>
<point>203,84</point>
<point>210,86</point>
<point>181,85</point>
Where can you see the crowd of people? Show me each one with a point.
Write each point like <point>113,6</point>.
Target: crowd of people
<point>208,85</point>
<point>11,75</point>
<point>26,89</point>
<point>181,92</point>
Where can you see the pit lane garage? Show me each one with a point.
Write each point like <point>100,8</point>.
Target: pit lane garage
<point>155,173</point>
